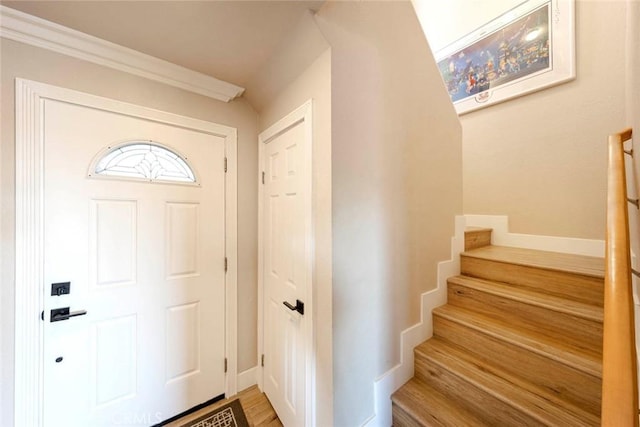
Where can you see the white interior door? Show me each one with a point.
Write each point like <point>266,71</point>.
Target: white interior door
<point>146,260</point>
<point>286,275</point>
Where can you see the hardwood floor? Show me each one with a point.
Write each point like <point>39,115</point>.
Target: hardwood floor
<point>256,407</point>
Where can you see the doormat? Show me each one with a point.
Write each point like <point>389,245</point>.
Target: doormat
<point>229,415</point>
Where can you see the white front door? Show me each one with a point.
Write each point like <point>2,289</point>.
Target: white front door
<point>146,260</point>
<point>286,275</point>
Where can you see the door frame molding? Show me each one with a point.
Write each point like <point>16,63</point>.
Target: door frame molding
<point>302,114</point>
<point>30,97</point>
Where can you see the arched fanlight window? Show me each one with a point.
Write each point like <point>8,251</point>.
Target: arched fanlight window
<point>143,160</point>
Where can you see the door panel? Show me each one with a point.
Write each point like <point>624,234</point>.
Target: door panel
<point>284,261</point>
<point>112,238</point>
<point>183,332</point>
<point>146,260</point>
<point>182,239</point>
<point>113,349</point>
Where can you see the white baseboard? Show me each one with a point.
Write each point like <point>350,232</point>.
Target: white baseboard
<point>502,237</point>
<point>394,378</point>
<point>247,378</point>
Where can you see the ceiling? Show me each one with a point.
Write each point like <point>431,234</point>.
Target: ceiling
<point>229,40</point>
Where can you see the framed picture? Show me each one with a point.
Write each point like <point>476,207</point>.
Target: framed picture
<point>529,48</point>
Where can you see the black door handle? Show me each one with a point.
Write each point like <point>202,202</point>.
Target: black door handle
<point>58,314</point>
<point>299,307</point>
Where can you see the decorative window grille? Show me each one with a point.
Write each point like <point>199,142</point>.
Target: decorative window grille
<point>143,160</point>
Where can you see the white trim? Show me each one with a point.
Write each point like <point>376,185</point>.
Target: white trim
<point>386,384</point>
<point>301,114</point>
<point>29,187</point>
<point>502,237</point>
<point>30,97</point>
<point>231,250</point>
<point>247,378</point>
<point>25,28</point>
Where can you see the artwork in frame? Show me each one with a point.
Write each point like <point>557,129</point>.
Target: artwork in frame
<point>529,48</point>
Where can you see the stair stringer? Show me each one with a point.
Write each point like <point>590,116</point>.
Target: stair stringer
<point>386,384</point>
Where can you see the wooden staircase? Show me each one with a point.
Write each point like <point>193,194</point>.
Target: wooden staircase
<point>519,343</point>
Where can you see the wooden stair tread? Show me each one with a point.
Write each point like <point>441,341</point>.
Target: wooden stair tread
<point>427,406</point>
<point>506,387</point>
<point>471,229</point>
<point>557,378</point>
<point>577,264</point>
<point>518,344</point>
<point>550,302</point>
<point>581,359</point>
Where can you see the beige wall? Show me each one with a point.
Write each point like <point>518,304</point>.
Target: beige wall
<point>309,80</point>
<point>541,159</point>
<point>18,60</point>
<point>633,77</point>
<point>315,83</point>
<point>296,53</point>
<point>396,180</point>
<point>633,120</point>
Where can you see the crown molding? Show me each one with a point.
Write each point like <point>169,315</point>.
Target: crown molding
<point>25,28</point>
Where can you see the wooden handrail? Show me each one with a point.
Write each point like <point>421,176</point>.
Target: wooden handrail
<point>619,363</point>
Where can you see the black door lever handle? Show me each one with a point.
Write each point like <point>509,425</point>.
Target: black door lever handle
<point>58,314</point>
<point>299,307</point>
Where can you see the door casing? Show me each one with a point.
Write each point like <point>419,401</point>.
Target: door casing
<point>29,233</point>
<point>302,114</point>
